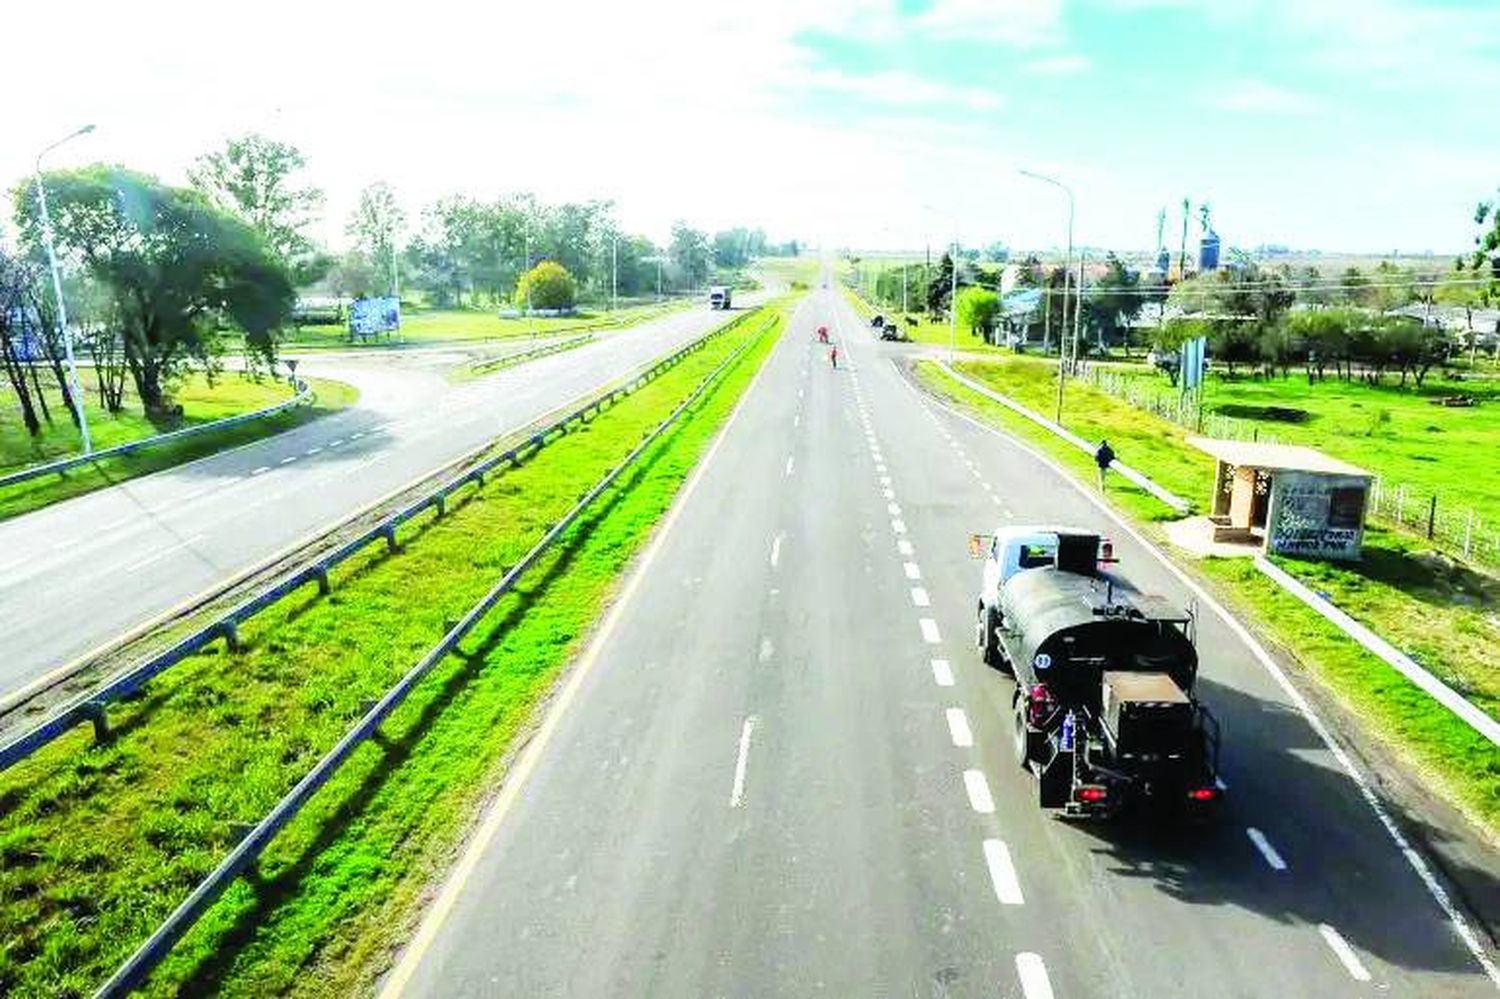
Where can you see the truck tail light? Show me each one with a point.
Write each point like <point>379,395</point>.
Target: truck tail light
<point>1091,794</point>
<point>1203,794</point>
<point>1107,552</point>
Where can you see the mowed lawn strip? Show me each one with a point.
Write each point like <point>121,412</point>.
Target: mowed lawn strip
<point>230,396</point>
<point>97,844</point>
<point>437,325</point>
<point>1436,611</point>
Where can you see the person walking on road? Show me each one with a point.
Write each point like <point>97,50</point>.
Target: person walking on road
<point>833,355</point>
<point>1104,456</point>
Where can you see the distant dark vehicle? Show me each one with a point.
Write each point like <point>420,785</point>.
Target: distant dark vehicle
<point>1103,710</point>
<point>892,332</point>
<point>878,321</point>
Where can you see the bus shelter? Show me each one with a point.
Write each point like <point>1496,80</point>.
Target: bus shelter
<point>1288,499</point>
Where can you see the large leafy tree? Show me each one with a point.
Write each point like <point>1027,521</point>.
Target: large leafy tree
<point>255,178</point>
<point>689,251</point>
<point>176,267</point>
<point>548,285</point>
<point>1111,303</point>
<point>376,225</point>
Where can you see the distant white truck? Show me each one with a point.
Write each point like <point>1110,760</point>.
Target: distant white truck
<point>719,297</point>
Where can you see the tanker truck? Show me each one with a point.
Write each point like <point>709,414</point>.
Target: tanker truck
<point>1103,711</point>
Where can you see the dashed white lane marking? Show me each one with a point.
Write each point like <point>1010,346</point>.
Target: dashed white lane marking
<point>904,547</point>
<point>930,631</point>
<point>291,458</point>
<point>913,571</point>
<point>67,542</point>
<point>1219,783</point>
<point>893,509</point>
<point>1002,873</point>
<point>899,526</point>
<point>880,467</point>
<point>158,556</point>
<point>979,792</point>
<point>796,419</point>
<point>737,795</point>
<point>312,450</point>
<point>958,728</point>
<point>263,468</point>
<point>336,443</point>
<point>942,672</point>
<point>1034,981</point>
<point>799,391</point>
<point>790,460</point>
<point>1344,953</point>
<point>776,551</point>
<point>1266,849</point>
<point>885,480</point>
<point>889,494</point>
<point>766,650</point>
<point>919,597</point>
<point>195,494</point>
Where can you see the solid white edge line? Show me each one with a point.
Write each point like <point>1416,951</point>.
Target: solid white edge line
<point>515,780</point>
<point>942,672</point>
<point>958,728</point>
<point>930,631</point>
<point>737,793</point>
<point>263,468</point>
<point>1033,974</point>
<point>1267,851</point>
<point>1002,873</point>
<point>1344,953</point>
<point>978,790</point>
<point>1414,859</point>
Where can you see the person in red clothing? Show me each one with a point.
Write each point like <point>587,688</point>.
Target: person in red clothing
<point>822,334</point>
<point>833,355</point>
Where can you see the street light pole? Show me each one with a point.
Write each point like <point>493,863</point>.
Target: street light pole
<point>75,390</point>
<point>1067,268</point>
<point>614,272</point>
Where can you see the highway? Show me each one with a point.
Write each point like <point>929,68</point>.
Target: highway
<point>77,574</point>
<point>781,770</point>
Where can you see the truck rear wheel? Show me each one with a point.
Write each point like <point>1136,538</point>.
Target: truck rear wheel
<point>1021,737</point>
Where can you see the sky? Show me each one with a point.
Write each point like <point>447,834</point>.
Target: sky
<point>1342,125</point>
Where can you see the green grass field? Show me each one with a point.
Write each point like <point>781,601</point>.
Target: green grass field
<point>230,395</point>
<point>1434,609</point>
<point>1400,435</point>
<point>97,843</point>
<point>928,330</point>
<point>439,325</point>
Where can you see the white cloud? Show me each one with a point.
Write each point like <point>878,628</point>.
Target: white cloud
<point>1017,22</point>
<point>1060,65</point>
<point>899,89</point>
<point>1259,97</point>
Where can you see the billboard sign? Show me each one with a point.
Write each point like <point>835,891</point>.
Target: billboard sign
<point>372,316</point>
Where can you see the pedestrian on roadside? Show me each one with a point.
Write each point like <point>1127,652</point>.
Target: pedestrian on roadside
<point>1104,456</point>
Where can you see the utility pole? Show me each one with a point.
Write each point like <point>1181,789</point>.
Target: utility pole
<point>75,390</point>
<point>1062,352</point>
<point>614,272</point>
<point>1182,247</point>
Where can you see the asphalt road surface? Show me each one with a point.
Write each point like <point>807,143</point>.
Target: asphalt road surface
<point>79,573</point>
<point>786,773</point>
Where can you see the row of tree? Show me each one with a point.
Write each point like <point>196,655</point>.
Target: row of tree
<point>156,276</point>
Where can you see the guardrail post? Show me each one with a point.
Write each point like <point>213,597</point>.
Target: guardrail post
<point>231,632</point>
<point>389,533</point>
<point>321,575</point>
<point>98,714</point>
<point>439,504</point>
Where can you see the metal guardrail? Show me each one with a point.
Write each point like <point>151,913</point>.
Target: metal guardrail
<point>148,955</point>
<point>509,360</point>
<point>92,705</point>
<point>304,393</point>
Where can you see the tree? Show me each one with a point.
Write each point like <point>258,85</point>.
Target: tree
<point>940,287</point>
<point>177,269</point>
<point>376,225</point>
<point>689,251</point>
<point>548,285</point>
<point>1111,304</point>
<point>253,177</point>
<point>17,322</point>
<point>978,308</point>
<point>1485,260</point>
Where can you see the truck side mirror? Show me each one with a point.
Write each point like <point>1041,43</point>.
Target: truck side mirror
<point>979,545</point>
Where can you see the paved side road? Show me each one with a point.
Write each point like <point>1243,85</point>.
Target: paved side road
<point>785,772</point>
<point>79,573</point>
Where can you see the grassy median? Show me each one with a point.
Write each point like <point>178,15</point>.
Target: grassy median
<point>98,843</point>
<point>426,326</point>
<point>230,395</point>
<point>1433,608</point>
